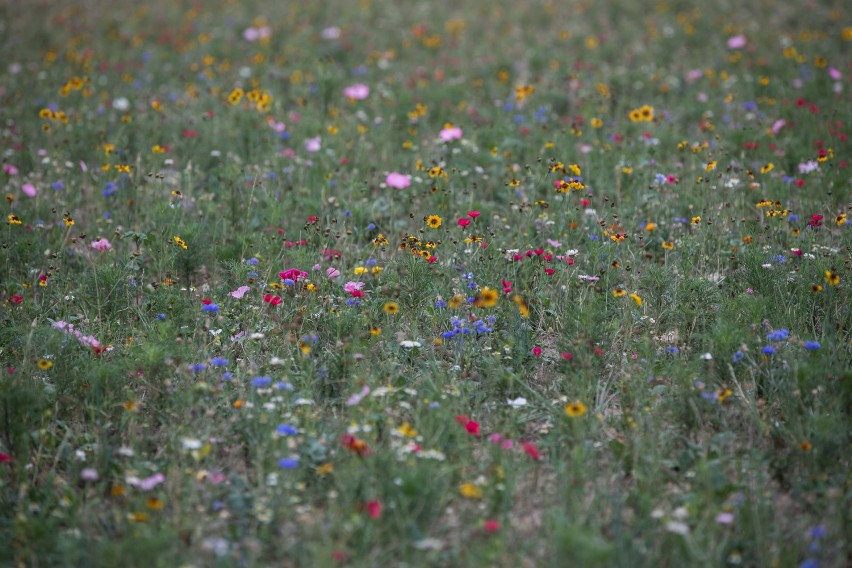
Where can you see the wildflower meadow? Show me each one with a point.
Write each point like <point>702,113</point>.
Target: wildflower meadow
<point>377,283</point>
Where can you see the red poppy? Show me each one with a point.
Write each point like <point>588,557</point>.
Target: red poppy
<point>374,509</point>
<point>273,300</point>
<point>530,449</point>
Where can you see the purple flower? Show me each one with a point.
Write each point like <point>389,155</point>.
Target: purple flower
<point>812,345</point>
<point>288,463</point>
<point>261,381</point>
<point>287,430</point>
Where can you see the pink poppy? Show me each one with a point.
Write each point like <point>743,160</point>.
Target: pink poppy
<point>356,92</point>
<point>450,134</point>
<point>239,292</point>
<point>29,190</point>
<point>293,274</point>
<point>101,244</point>
<point>397,180</point>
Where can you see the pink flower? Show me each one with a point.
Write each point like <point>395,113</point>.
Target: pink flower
<point>353,286</point>
<point>464,222</point>
<point>10,169</point>
<point>148,483</point>
<point>566,355</point>
<point>835,74</point>
<point>536,351</point>
<point>16,300</point>
<point>239,292</point>
<point>357,92</point>
<point>313,144</point>
<point>89,474</point>
<point>491,526</point>
<point>358,397</point>
<point>450,134</point>
<point>530,449</point>
<point>374,509</point>
<point>737,42</point>
<point>473,214</point>
<point>293,274</point>
<point>397,180</point>
<point>332,272</point>
<point>101,245</point>
<point>29,190</point>
<point>272,300</point>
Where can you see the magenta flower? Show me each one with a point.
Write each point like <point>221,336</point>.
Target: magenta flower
<point>101,245</point>
<point>353,286</point>
<point>357,92</point>
<point>29,190</point>
<point>313,144</point>
<point>397,180</point>
<point>332,272</point>
<point>450,134</point>
<point>737,42</point>
<point>293,274</point>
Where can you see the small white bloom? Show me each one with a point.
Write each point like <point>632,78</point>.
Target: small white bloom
<point>518,402</point>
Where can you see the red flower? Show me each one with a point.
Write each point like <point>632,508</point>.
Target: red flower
<point>536,351</point>
<point>5,458</point>
<point>16,300</point>
<point>358,446</point>
<point>507,286</point>
<point>566,355</point>
<point>549,271</point>
<point>206,301</point>
<point>491,526</point>
<point>472,427</point>
<point>464,222</point>
<point>293,274</point>
<point>432,259</point>
<point>270,299</point>
<point>187,133</point>
<point>473,214</point>
<point>585,202</point>
<point>374,509</point>
<point>816,221</point>
<point>530,449</point>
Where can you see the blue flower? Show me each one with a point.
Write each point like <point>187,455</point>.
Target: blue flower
<point>737,356</point>
<point>227,376</point>
<point>288,463</point>
<point>287,430</point>
<point>218,361</point>
<point>768,350</point>
<point>440,304</point>
<point>261,381</point>
<point>673,349</point>
<point>252,261</point>
<point>778,335</point>
<point>289,282</point>
<point>197,367</point>
<point>282,386</point>
<point>812,345</point>
<point>213,308</point>
<point>58,185</point>
<point>161,317</point>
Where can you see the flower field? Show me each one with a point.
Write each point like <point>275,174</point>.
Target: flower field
<point>426,284</point>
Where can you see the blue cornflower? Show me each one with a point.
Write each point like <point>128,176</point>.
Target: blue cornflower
<point>58,185</point>
<point>289,282</point>
<point>197,367</point>
<point>778,335</point>
<point>288,463</point>
<point>282,386</point>
<point>261,381</point>
<point>737,356</point>
<point>287,430</point>
<point>440,304</point>
<point>673,349</point>
<point>218,361</point>
<point>448,334</point>
<point>768,350</point>
<point>161,317</point>
<point>213,308</point>
<point>812,345</point>
<point>252,261</point>
<point>227,376</point>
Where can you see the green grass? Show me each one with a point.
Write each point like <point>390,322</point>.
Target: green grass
<point>649,369</point>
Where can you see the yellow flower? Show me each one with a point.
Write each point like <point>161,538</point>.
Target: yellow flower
<point>619,292</point>
<point>14,220</point>
<point>487,298</point>
<point>636,298</point>
<point>696,220</point>
<point>832,278</point>
<point>650,226</point>
<point>523,308</point>
<point>391,308</point>
<point>44,364</point>
<point>456,301</point>
<point>470,491</point>
<point>406,430</point>
<point>236,96</point>
<point>710,166</point>
<point>840,219</point>
<point>434,221</point>
<point>575,409</point>
<point>360,270</point>
<point>668,245</point>
<point>325,469</point>
<point>767,168</point>
<point>154,504</point>
<point>180,242</point>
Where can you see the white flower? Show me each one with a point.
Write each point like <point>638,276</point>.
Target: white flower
<point>191,443</point>
<point>408,344</point>
<point>707,357</point>
<point>121,104</point>
<point>517,403</point>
